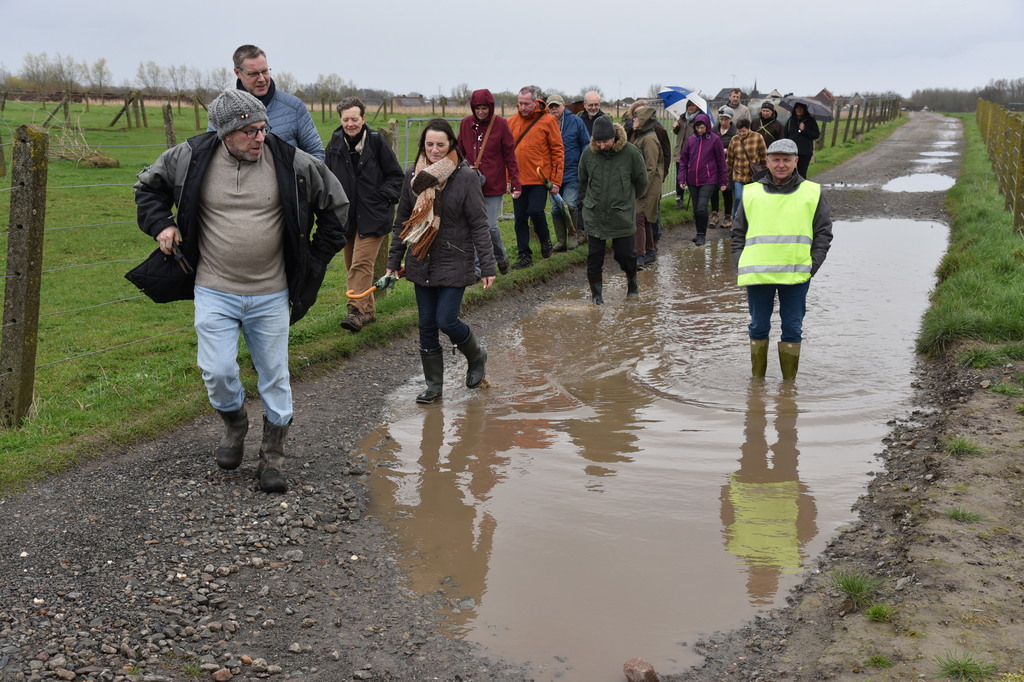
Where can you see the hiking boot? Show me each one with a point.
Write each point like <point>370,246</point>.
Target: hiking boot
<point>640,261</point>
<point>727,223</point>
<point>231,447</point>
<point>699,240</point>
<point>523,262</point>
<point>716,217</point>
<point>546,249</point>
<point>503,267</point>
<point>353,321</point>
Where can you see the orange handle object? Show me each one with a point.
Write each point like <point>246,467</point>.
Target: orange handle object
<point>385,282</point>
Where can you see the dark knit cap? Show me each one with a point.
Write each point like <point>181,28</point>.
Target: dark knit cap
<point>603,129</point>
<point>767,105</point>
<point>234,109</point>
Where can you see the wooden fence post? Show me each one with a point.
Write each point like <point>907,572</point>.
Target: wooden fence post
<point>195,107</point>
<point>852,117</point>
<point>1018,203</point>
<point>24,274</point>
<point>3,101</point>
<point>837,111</point>
<point>3,159</point>
<point>169,125</point>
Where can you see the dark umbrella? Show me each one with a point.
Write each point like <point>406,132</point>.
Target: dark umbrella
<point>816,109</point>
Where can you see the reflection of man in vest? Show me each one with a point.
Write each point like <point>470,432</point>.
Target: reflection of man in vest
<point>767,513</point>
<point>780,236</point>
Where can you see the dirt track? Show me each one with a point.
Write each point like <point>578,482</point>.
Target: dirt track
<point>150,564</point>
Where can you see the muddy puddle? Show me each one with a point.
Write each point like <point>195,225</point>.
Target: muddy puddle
<point>920,182</point>
<point>623,486</point>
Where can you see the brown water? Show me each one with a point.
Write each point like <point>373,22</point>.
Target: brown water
<point>623,486</point>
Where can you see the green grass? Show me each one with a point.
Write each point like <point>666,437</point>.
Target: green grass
<point>960,446</point>
<point>979,295</point>
<point>858,588</point>
<point>880,613</point>
<point>1009,388</point>
<point>963,666</point>
<point>961,515</point>
<point>113,367</point>
<point>878,661</point>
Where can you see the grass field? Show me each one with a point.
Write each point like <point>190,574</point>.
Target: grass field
<point>112,366</point>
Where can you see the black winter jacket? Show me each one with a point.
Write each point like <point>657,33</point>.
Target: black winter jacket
<point>308,191</point>
<point>372,187</point>
<point>464,230</point>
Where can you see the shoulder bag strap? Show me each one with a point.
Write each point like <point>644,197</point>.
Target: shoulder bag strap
<point>480,153</point>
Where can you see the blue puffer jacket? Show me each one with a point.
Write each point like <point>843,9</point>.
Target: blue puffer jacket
<point>290,120</point>
<point>575,139</point>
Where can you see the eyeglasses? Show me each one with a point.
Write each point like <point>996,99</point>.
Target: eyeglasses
<point>251,133</point>
<point>256,74</point>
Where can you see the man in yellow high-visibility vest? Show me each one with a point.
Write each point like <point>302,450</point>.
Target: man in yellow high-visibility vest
<point>780,237</point>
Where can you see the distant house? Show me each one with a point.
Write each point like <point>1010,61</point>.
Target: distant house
<point>825,97</point>
<point>403,101</point>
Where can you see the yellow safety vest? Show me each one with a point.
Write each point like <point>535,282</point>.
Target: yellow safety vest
<point>780,229</point>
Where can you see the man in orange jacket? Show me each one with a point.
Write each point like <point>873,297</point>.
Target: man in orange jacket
<point>538,146</point>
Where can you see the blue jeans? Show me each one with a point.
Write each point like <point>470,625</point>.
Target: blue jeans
<point>439,310</point>
<point>263,320</point>
<point>493,206</point>
<point>737,196</point>
<point>570,191</point>
<point>792,307</point>
<point>529,207</point>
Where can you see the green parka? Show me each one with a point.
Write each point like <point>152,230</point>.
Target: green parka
<point>613,180</point>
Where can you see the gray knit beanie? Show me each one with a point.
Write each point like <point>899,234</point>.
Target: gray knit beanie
<point>234,109</point>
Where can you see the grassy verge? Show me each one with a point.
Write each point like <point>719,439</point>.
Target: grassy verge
<point>113,367</point>
<point>979,293</point>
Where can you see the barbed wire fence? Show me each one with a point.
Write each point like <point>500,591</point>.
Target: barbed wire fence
<point>1003,133</point>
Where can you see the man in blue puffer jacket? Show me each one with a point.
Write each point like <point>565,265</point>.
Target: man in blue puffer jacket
<point>288,115</point>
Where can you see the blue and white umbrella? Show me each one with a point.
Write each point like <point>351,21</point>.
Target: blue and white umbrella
<point>676,97</point>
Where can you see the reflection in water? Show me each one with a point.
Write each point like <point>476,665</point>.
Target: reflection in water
<point>767,513</point>
<point>920,182</point>
<point>576,508</point>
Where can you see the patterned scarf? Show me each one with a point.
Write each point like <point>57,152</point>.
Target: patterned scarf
<point>421,227</point>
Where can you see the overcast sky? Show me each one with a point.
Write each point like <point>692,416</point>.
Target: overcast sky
<point>432,46</point>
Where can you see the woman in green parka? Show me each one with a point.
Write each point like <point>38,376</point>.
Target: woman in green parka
<point>614,175</point>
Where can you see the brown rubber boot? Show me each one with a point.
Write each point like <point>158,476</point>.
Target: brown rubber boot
<point>271,468</point>
<point>231,447</point>
<point>758,358</point>
<point>789,359</point>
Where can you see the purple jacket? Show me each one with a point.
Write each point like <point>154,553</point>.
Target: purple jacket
<point>703,159</point>
<point>499,162</point>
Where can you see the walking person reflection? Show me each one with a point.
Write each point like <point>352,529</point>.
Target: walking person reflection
<point>768,515</point>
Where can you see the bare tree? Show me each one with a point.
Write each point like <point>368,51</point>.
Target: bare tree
<point>66,72</point>
<point>219,79</point>
<point>37,72</point>
<point>5,76</point>
<point>587,88</point>
<point>285,81</point>
<point>461,93</point>
<point>177,77</point>
<point>150,77</point>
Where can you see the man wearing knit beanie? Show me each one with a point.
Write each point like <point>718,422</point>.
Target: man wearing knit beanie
<point>242,236</point>
<point>609,206</point>
<point>286,113</point>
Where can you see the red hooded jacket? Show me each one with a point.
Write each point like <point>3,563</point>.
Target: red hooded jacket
<point>499,159</point>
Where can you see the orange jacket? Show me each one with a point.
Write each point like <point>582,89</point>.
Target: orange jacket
<point>542,147</point>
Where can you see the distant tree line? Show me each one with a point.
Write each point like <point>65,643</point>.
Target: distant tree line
<point>1009,93</point>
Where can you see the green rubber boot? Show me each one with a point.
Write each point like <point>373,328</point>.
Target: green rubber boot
<point>789,359</point>
<point>758,358</point>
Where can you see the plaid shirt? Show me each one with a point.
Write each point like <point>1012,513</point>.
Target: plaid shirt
<point>742,152</point>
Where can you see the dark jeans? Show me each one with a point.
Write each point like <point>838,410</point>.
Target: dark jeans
<point>622,249</point>
<point>792,306</point>
<point>727,195</point>
<point>680,190</point>
<point>701,195</point>
<point>439,310</point>
<point>529,207</point>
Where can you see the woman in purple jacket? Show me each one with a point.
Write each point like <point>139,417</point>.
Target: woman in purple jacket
<point>702,169</point>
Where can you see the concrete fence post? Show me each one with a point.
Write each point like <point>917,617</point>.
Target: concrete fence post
<point>24,274</point>
<point>3,158</point>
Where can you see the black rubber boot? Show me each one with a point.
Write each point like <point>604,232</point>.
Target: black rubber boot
<point>231,447</point>
<point>271,468</point>
<point>433,372</point>
<point>476,356</point>
<point>595,289</point>
<point>632,289</point>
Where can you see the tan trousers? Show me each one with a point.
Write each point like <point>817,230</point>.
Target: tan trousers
<point>360,255</point>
